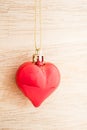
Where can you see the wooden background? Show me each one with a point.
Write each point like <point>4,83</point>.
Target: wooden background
<point>64,44</point>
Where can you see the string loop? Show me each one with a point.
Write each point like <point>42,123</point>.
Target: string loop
<point>35,28</point>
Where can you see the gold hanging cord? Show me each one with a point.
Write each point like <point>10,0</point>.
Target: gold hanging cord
<point>35,27</point>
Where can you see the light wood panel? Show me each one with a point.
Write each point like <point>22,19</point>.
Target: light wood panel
<point>64,44</point>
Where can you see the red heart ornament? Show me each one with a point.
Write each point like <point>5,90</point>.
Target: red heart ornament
<point>37,82</point>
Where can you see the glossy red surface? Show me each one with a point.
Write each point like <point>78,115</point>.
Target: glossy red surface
<point>37,82</point>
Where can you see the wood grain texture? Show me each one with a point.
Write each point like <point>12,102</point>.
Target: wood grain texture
<point>65,44</point>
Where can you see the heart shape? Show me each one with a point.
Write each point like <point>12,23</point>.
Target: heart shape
<point>37,82</point>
